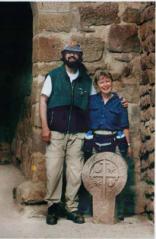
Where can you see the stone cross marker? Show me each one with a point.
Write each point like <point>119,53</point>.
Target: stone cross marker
<point>104,175</point>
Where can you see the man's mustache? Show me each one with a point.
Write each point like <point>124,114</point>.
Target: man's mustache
<point>71,57</point>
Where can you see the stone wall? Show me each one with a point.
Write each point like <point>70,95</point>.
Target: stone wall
<point>147,103</point>
<point>111,37</point>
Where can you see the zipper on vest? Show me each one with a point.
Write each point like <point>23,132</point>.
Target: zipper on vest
<point>51,120</point>
<point>71,107</point>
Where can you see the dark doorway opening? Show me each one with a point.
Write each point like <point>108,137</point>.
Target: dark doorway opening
<point>15,65</point>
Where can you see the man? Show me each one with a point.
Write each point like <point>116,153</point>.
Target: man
<point>64,118</point>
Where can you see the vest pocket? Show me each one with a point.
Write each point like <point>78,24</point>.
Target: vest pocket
<point>58,119</point>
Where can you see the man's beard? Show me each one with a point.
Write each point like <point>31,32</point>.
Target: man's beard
<point>72,64</point>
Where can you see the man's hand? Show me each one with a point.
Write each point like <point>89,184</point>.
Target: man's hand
<point>46,135</point>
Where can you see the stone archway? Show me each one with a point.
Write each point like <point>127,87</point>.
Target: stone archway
<point>15,73</point>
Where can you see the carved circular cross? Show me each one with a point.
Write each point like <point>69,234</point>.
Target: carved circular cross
<point>105,173</point>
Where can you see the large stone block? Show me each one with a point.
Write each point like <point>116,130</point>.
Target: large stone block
<point>148,14</point>
<point>103,14</point>
<point>147,29</point>
<point>53,6</point>
<point>115,66</point>
<point>47,47</point>
<point>41,68</point>
<point>92,67</point>
<point>123,38</point>
<point>29,192</point>
<point>127,4</point>
<point>54,22</point>
<point>125,57</point>
<point>131,15</point>
<point>93,48</point>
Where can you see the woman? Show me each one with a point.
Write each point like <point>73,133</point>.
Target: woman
<point>109,125</point>
<point>107,116</point>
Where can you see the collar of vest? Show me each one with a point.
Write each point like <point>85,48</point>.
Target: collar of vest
<point>63,68</point>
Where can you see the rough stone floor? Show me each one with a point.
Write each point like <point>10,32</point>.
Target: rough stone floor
<point>22,222</point>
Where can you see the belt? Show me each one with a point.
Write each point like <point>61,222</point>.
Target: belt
<point>105,132</point>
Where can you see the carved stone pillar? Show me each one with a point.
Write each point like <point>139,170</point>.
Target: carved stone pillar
<point>104,176</point>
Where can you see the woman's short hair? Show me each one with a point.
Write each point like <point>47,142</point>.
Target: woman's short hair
<point>102,73</point>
